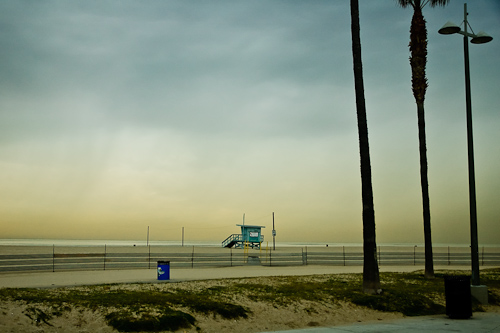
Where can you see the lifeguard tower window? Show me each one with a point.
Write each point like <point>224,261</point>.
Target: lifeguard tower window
<point>250,235</point>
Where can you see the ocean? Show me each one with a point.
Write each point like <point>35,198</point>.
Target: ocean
<point>115,242</point>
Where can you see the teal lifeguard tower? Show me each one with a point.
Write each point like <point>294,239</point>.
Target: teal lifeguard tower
<point>250,236</point>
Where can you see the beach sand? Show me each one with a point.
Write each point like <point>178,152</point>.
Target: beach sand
<point>265,317</point>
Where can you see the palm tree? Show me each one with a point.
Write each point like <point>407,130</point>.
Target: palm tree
<point>418,61</point>
<point>371,278</point>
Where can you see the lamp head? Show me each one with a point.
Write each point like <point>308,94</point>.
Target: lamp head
<point>481,38</point>
<point>449,28</point>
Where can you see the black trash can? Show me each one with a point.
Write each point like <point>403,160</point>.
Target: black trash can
<point>163,270</point>
<point>458,297</point>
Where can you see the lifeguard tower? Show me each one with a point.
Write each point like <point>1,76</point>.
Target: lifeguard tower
<point>250,236</point>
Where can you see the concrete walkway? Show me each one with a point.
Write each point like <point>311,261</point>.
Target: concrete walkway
<point>76,278</point>
<point>479,323</point>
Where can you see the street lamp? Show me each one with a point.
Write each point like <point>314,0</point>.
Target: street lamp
<point>480,38</point>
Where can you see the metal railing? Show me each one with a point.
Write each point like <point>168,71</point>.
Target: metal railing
<point>144,258</point>
<point>234,238</point>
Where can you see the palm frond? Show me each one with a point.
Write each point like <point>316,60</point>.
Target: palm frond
<point>434,3</point>
<point>421,3</point>
<point>405,3</point>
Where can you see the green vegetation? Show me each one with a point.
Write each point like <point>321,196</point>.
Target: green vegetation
<point>128,321</point>
<point>408,293</point>
<point>146,309</point>
<point>172,306</point>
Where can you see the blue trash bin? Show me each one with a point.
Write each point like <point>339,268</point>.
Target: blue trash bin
<point>163,270</point>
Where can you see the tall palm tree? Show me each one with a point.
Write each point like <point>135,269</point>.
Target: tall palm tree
<point>371,278</point>
<point>418,61</point>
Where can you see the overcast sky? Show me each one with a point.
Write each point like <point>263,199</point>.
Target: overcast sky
<point>118,115</point>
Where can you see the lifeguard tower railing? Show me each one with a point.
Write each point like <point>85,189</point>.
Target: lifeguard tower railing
<point>232,240</point>
<point>237,239</point>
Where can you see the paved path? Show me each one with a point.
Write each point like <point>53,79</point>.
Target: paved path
<point>479,323</point>
<point>75,278</point>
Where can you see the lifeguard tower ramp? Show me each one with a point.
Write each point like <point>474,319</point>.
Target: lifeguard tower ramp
<point>250,235</point>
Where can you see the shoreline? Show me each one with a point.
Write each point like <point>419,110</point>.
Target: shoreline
<point>49,249</point>
<point>190,243</point>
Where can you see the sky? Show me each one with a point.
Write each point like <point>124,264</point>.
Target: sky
<point>116,116</point>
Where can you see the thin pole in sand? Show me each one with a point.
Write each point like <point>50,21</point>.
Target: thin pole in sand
<point>53,258</point>
<point>182,236</point>
<point>274,236</point>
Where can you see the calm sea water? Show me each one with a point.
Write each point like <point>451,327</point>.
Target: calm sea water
<point>114,242</point>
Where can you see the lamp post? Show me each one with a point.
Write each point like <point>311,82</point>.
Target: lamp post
<point>480,38</point>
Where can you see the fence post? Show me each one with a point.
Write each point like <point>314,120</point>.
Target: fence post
<point>449,261</point>
<point>104,256</point>
<point>482,257</point>
<point>267,250</point>
<point>245,252</point>
<point>192,258</point>
<point>53,258</point>
<point>343,253</point>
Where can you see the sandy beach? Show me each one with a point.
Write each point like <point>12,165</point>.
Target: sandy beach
<point>14,318</point>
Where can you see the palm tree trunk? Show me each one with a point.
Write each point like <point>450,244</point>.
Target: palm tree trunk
<point>371,278</point>
<point>429,262</point>
<point>418,61</point>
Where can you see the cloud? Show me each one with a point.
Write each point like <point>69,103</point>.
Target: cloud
<point>199,68</point>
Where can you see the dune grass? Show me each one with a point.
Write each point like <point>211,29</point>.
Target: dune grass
<point>408,293</point>
<point>151,308</point>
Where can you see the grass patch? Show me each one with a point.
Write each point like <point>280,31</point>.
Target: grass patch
<point>127,321</point>
<point>139,310</point>
<point>38,316</point>
<point>408,293</point>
